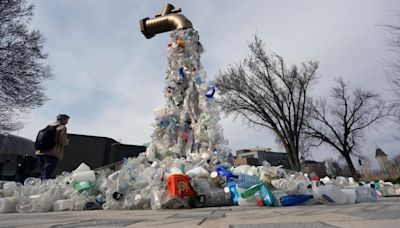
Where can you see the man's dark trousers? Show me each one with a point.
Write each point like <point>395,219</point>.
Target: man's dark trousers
<point>47,165</point>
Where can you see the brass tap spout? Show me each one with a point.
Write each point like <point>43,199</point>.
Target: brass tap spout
<point>168,20</point>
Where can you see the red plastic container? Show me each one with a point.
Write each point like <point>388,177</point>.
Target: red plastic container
<point>179,185</point>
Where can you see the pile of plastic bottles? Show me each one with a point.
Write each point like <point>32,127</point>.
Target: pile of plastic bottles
<point>180,183</point>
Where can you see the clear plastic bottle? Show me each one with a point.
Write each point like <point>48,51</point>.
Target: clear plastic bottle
<point>8,204</point>
<point>277,196</point>
<point>250,201</point>
<point>9,188</point>
<point>213,195</point>
<point>63,205</point>
<point>366,194</point>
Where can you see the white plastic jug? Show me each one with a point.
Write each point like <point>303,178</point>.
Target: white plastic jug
<point>329,194</point>
<point>82,167</point>
<point>350,195</point>
<point>84,176</point>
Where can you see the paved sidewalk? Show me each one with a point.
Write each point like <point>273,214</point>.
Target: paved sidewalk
<point>384,213</point>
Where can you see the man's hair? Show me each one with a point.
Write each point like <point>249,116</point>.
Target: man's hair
<point>62,117</point>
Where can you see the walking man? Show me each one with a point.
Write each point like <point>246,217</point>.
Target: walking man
<point>57,134</point>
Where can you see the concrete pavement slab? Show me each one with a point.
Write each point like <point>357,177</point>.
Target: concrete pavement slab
<point>384,213</point>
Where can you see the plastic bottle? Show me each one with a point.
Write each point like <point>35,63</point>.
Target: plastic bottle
<point>8,204</point>
<point>198,172</point>
<point>83,185</point>
<point>234,193</point>
<point>277,194</point>
<point>350,195</point>
<point>32,181</point>
<point>366,194</point>
<point>266,195</point>
<point>250,201</point>
<point>221,181</point>
<point>329,194</point>
<point>210,91</point>
<point>181,73</point>
<point>246,181</point>
<point>222,171</point>
<point>210,194</point>
<point>293,200</point>
<point>63,205</point>
<point>9,188</point>
<point>251,191</point>
<point>280,183</point>
<point>218,197</point>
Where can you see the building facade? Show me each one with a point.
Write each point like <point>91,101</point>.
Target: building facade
<point>265,154</point>
<point>95,151</point>
<point>13,149</point>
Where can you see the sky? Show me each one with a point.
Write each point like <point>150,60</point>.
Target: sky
<point>109,77</point>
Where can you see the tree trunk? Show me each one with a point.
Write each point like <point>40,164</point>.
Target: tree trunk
<point>353,171</point>
<point>295,156</point>
<point>296,162</point>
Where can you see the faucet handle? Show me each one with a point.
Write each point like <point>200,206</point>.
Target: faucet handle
<point>172,11</point>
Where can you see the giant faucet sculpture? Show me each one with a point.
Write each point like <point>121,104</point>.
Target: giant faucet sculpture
<point>168,20</point>
<point>188,124</point>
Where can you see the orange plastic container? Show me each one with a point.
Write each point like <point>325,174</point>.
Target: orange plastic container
<point>179,185</point>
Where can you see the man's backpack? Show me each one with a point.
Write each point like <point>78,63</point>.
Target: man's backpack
<point>46,138</point>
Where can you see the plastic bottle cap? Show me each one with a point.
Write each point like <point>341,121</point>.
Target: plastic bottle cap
<point>214,175</point>
<point>226,190</point>
<point>260,203</point>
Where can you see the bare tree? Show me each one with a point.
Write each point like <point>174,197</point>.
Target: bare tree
<point>263,91</point>
<point>21,63</point>
<point>341,125</point>
<point>393,75</point>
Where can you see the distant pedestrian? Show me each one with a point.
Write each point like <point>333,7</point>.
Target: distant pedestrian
<point>50,144</point>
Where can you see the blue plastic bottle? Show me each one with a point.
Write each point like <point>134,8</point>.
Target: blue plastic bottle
<point>293,200</point>
<point>181,72</point>
<point>266,195</point>
<point>222,171</point>
<point>210,91</point>
<point>234,192</point>
<point>246,181</point>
